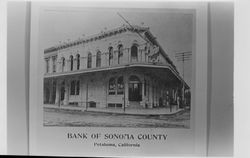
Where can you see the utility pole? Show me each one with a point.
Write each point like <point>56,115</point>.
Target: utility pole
<point>182,57</point>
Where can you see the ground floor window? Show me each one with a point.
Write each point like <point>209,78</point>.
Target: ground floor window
<point>112,86</point>
<point>120,85</point>
<point>75,87</point>
<point>116,86</point>
<point>114,105</point>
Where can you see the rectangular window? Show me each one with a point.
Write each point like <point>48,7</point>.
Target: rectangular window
<point>47,65</point>
<point>72,88</point>
<point>54,63</point>
<point>112,86</point>
<point>120,85</point>
<point>145,87</point>
<point>77,87</point>
<point>110,105</point>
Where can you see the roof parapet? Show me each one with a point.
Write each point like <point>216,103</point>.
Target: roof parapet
<point>95,37</point>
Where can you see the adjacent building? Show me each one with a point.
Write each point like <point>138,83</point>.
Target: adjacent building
<point>120,68</point>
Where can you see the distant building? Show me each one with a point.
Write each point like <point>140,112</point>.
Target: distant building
<point>121,67</point>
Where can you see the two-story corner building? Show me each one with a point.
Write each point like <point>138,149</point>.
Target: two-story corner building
<point>121,67</point>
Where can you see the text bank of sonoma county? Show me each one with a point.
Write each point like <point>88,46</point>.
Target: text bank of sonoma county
<point>120,68</point>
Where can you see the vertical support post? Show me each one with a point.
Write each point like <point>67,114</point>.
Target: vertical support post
<point>66,94</point>
<point>57,99</point>
<point>124,90</point>
<point>124,100</point>
<point>87,89</point>
<point>143,89</point>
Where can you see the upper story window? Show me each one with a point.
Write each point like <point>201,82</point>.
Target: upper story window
<point>63,63</point>
<point>134,53</point>
<point>110,55</point>
<point>78,61</point>
<point>89,60</point>
<point>47,65</point>
<point>98,59</point>
<point>120,85</point>
<point>71,62</point>
<point>54,63</point>
<point>120,53</point>
<point>112,86</point>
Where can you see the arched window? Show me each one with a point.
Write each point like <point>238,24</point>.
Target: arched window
<point>120,85</point>
<point>134,53</point>
<point>71,62</point>
<point>110,55</point>
<point>134,79</point>
<point>112,86</point>
<point>98,59</point>
<point>78,61</point>
<point>120,53</point>
<point>63,63</point>
<point>89,60</point>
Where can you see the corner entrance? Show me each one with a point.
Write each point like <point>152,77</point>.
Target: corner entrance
<point>135,89</point>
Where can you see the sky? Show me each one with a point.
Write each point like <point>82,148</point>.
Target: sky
<point>172,29</point>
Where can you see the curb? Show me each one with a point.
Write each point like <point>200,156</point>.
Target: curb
<point>112,113</point>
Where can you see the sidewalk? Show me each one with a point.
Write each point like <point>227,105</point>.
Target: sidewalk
<point>128,111</point>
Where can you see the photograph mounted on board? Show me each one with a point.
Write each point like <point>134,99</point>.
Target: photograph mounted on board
<point>113,67</point>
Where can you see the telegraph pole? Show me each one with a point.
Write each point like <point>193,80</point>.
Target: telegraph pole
<point>182,57</point>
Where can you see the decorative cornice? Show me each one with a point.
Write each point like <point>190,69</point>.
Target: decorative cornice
<point>98,36</point>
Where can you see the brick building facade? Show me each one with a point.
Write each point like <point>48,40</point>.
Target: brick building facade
<point>123,67</point>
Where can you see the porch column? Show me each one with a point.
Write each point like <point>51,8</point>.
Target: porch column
<point>81,89</point>
<point>66,94</point>
<point>143,97</point>
<point>126,89</point>
<point>57,100</point>
<point>156,95</point>
<point>106,91</point>
<point>150,98</point>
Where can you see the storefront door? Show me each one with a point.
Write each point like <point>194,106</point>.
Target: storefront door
<point>135,89</point>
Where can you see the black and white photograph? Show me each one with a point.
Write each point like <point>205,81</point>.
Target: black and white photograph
<point>122,79</point>
<point>113,67</point>
<point>118,79</point>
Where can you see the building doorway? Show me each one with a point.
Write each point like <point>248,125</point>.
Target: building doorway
<point>135,89</point>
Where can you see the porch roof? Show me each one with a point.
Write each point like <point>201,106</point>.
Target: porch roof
<point>116,67</point>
